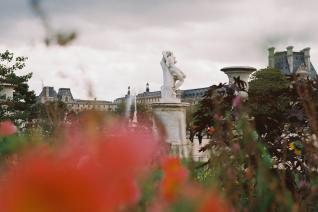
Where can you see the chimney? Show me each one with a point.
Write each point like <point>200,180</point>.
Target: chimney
<point>307,58</point>
<point>271,57</point>
<point>47,91</point>
<point>147,87</point>
<point>290,58</point>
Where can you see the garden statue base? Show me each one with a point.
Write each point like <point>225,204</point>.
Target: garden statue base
<point>172,116</point>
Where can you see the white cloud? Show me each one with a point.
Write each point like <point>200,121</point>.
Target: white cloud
<point>120,42</point>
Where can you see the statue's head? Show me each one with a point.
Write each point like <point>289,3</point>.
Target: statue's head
<point>171,58</point>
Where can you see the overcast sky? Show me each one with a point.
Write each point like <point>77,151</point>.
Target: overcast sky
<point>120,41</point>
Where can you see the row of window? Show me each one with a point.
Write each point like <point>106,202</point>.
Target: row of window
<point>148,100</point>
<point>82,106</point>
<point>199,94</point>
<point>154,100</point>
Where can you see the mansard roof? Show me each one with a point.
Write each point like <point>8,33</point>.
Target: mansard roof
<point>52,92</point>
<point>281,63</point>
<point>65,92</point>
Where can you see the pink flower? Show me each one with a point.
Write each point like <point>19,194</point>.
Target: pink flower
<point>7,128</point>
<point>236,103</point>
<point>236,148</point>
<point>217,117</point>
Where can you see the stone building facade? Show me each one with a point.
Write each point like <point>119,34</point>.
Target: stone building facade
<point>290,62</point>
<point>192,96</point>
<point>76,105</point>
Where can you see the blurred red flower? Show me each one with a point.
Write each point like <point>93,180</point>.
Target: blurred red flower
<point>44,183</point>
<point>99,174</point>
<point>122,159</point>
<point>175,177</point>
<point>211,130</point>
<point>213,203</point>
<point>7,128</point>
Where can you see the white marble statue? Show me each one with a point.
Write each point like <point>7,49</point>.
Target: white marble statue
<point>171,112</point>
<point>173,77</point>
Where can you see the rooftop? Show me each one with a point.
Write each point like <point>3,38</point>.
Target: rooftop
<point>281,63</point>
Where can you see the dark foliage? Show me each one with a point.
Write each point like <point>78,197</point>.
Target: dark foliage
<point>19,109</point>
<point>275,163</point>
<point>49,116</point>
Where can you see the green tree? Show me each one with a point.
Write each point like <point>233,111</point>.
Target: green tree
<point>285,113</point>
<point>19,108</point>
<point>190,115</point>
<point>269,100</point>
<point>50,115</point>
<point>217,102</point>
<point>121,108</point>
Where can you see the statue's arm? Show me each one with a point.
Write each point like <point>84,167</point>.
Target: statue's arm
<point>163,63</point>
<point>165,56</point>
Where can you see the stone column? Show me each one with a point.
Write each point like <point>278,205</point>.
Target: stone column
<point>47,92</point>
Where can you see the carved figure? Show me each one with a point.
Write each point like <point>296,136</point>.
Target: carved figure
<point>173,77</point>
<point>177,74</point>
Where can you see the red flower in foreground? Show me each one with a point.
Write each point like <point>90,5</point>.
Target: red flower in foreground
<point>97,175</point>
<point>122,159</point>
<point>213,203</point>
<point>175,177</point>
<point>175,186</point>
<point>42,183</point>
<point>7,128</point>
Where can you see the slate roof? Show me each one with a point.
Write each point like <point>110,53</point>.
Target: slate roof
<point>281,63</point>
<point>52,92</point>
<point>65,92</point>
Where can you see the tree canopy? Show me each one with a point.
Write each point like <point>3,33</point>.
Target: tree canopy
<point>269,98</point>
<point>19,108</point>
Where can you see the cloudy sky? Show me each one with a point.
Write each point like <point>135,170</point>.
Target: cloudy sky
<point>120,41</point>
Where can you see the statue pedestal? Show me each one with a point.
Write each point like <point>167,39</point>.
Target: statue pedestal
<point>173,118</point>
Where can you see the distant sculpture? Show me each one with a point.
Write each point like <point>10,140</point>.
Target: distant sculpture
<point>173,77</point>
<point>170,112</point>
